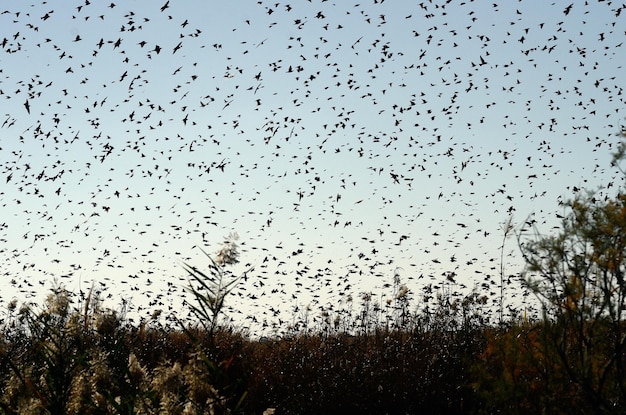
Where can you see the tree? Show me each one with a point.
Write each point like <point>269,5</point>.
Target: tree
<point>578,278</point>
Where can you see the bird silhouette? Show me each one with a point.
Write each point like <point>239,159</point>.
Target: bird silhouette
<point>341,140</point>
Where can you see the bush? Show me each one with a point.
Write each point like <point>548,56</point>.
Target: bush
<point>578,277</point>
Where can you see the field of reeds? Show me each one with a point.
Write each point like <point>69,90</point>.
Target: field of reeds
<point>65,359</point>
<point>72,355</point>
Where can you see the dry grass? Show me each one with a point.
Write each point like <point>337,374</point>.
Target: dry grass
<point>446,359</point>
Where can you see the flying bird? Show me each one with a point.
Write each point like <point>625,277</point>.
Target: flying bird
<point>341,156</point>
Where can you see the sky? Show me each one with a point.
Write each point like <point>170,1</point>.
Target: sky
<point>344,143</point>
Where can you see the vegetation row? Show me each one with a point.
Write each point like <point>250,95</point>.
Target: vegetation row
<point>73,356</point>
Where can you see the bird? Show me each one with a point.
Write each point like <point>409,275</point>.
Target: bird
<point>344,140</point>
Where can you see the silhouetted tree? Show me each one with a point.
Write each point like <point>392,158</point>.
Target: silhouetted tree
<point>578,277</point>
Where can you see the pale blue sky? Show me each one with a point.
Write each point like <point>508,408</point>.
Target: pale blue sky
<point>331,128</point>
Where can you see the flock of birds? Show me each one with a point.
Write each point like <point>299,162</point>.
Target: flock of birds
<point>344,143</point>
